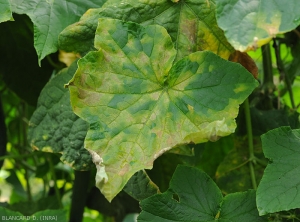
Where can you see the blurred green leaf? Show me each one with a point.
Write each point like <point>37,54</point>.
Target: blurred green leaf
<point>55,215</point>
<point>9,214</point>
<point>265,120</point>
<point>5,11</point>
<point>214,153</point>
<point>233,173</point>
<point>28,208</point>
<point>258,21</point>
<point>249,26</point>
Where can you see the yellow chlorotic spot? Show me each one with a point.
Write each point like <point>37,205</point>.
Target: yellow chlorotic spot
<point>45,137</point>
<point>47,149</point>
<point>240,88</point>
<point>191,108</point>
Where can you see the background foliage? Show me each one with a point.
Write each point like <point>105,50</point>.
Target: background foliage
<point>157,104</point>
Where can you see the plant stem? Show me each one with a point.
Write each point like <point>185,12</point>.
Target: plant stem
<point>252,158</point>
<point>57,193</point>
<point>267,65</point>
<point>80,188</point>
<point>3,134</point>
<point>282,72</point>
<point>28,187</point>
<point>268,86</point>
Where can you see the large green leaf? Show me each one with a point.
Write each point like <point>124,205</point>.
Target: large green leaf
<point>250,24</point>
<point>194,196</point>
<point>191,24</point>
<point>50,18</point>
<point>278,189</point>
<point>140,105</point>
<point>54,127</point>
<point>5,11</point>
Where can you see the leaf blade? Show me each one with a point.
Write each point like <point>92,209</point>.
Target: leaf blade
<point>194,196</point>
<point>259,21</point>
<point>137,114</point>
<point>195,19</point>
<point>53,126</point>
<point>5,11</point>
<point>277,190</point>
<point>50,18</point>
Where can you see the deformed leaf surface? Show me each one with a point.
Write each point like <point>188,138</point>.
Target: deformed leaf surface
<point>191,24</point>
<point>194,197</point>
<point>279,187</point>
<point>54,127</point>
<point>251,24</point>
<point>140,105</point>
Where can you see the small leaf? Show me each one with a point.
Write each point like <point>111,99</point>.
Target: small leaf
<point>194,196</point>
<point>53,126</point>
<point>140,186</point>
<point>140,105</point>
<point>251,24</point>
<point>278,189</point>
<point>50,18</point>
<point>5,11</point>
<point>191,24</point>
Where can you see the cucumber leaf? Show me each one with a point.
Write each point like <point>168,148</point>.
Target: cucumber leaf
<point>278,189</point>
<point>140,104</point>
<point>50,18</point>
<point>191,24</point>
<point>258,21</point>
<point>5,11</point>
<point>54,127</point>
<point>194,196</point>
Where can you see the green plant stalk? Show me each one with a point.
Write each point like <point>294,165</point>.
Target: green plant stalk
<point>23,135</point>
<point>267,66</point>
<point>80,188</point>
<point>268,86</point>
<point>252,157</point>
<point>28,190</point>
<point>52,170</point>
<point>283,73</point>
